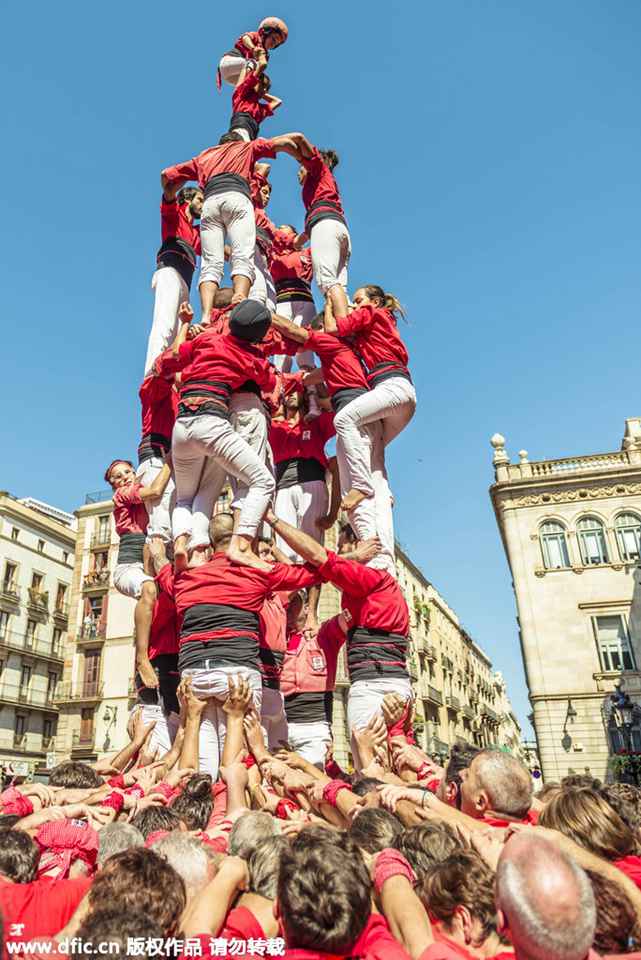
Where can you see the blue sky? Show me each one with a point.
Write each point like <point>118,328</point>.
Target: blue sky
<point>490,173</point>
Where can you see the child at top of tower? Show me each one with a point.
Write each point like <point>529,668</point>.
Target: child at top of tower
<point>272,32</point>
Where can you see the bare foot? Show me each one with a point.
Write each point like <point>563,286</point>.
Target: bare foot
<point>352,499</point>
<point>237,298</point>
<point>147,674</point>
<point>240,551</point>
<point>181,557</point>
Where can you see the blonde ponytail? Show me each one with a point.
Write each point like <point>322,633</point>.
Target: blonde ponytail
<point>388,300</point>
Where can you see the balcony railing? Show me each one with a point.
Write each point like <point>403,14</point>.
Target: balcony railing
<point>38,601</point>
<point>78,692</point>
<point>13,693</point>
<point>412,668</point>
<point>433,695</point>
<point>29,644</point>
<point>99,496</point>
<point>491,715</point>
<point>102,538</point>
<point>10,591</point>
<point>447,663</point>
<point>453,703</point>
<point>92,632</point>
<point>96,580</point>
<point>430,652</point>
<point>61,611</point>
<point>469,713</point>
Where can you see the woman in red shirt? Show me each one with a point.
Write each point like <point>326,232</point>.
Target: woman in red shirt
<point>372,329</point>
<point>251,100</point>
<point>272,32</point>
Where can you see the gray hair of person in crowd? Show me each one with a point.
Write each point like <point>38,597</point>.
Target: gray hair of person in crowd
<point>116,837</point>
<point>249,830</point>
<point>188,858</point>
<point>505,781</point>
<point>264,864</point>
<point>545,901</point>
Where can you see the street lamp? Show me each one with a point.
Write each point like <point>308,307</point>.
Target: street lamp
<point>624,712</point>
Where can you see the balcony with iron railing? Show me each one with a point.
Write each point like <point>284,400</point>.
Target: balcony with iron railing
<point>96,580</point>
<point>10,591</point>
<point>453,703</point>
<point>28,696</point>
<point>430,652</point>
<point>101,539</point>
<point>432,694</point>
<point>82,692</point>
<point>98,496</point>
<point>38,602</point>
<point>468,712</point>
<point>447,663</point>
<point>91,633</point>
<point>61,612</point>
<point>27,643</point>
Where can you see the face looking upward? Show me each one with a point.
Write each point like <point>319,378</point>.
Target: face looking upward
<point>121,474</point>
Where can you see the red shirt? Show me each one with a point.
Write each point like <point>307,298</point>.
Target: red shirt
<point>319,184</point>
<point>236,157</point>
<point>158,406</point>
<point>265,231</point>
<point>302,440</point>
<point>342,370</point>
<point>222,582</point>
<point>163,636</point>
<point>174,222</point>
<point>130,512</point>
<point>246,99</point>
<point>310,662</point>
<point>43,907</point>
<point>256,39</point>
<point>226,360</point>
<point>377,942</point>
<point>291,264</point>
<point>372,597</point>
<point>375,336</point>
<point>273,636</point>
<point>631,866</point>
<point>530,818</point>
<point>241,924</point>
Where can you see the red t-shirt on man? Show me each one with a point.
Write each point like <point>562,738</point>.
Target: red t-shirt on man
<point>237,157</point>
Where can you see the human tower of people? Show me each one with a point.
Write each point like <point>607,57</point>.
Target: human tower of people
<point>225,825</point>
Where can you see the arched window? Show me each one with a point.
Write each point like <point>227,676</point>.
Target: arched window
<point>591,537</point>
<point>554,545</point>
<point>628,531</point>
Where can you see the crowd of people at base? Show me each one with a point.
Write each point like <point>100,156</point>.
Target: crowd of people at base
<point>405,860</point>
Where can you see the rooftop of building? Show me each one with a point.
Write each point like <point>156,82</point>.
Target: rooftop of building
<point>44,516</point>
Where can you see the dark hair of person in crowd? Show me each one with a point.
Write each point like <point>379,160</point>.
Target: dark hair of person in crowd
<point>195,804</point>
<point>187,194</point>
<point>264,866</point>
<point>138,879</point>
<point>314,834</point>
<point>587,818</point>
<point>117,926</point>
<point>617,925</point>
<point>74,775</point>
<point>324,895</point>
<point>230,137</point>
<point>152,819</point>
<point>460,759</point>
<point>427,844</point>
<point>547,791</point>
<point>580,780</point>
<point>374,829</point>
<point>625,799</point>
<point>361,786</point>
<point>330,157</point>
<point>19,856</point>
<point>9,820</point>
<point>464,879</point>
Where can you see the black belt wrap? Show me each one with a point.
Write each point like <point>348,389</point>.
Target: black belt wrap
<point>131,547</point>
<point>374,653</point>
<point>244,121</point>
<point>289,473</point>
<point>180,255</point>
<point>313,707</point>
<point>225,182</point>
<point>322,210</point>
<point>342,397</point>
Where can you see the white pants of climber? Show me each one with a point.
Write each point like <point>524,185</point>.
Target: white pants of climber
<point>170,290</point>
<point>302,313</point>
<point>365,699</point>
<point>231,215</point>
<point>393,401</point>
<point>243,134</point>
<point>160,510</point>
<point>331,248</point>
<point>129,578</point>
<point>302,506</point>
<point>310,740</point>
<point>194,440</point>
<point>273,719</point>
<point>231,66</point>
<point>250,423</point>
<point>164,733</point>
<point>263,289</point>
<point>211,684</point>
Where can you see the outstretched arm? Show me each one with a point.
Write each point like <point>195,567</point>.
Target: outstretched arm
<point>289,329</point>
<point>296,144</point>
<point>306,547</point>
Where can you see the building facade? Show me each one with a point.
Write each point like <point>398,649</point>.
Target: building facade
<point>571,530</point>
<point>459,697</point>
<point>37,545</point>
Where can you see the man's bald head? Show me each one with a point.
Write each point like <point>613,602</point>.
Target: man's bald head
<point>545,901</point>
<point>221,527</point>
<point>496,781</point>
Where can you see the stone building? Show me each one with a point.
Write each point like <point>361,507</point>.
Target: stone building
<point>571,530</point>
<point>459,698</point>
<point>37,544</point>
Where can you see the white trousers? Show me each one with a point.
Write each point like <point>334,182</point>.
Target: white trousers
<point>194,440</point>
<point>263,289</point>
<point>129,578</point>
<point>301,506</point>
<point>331,248</point>
<point>164,733</point>
<point>249,420</point>
<point>231,66</point>
<point>170,290</point>
<point>310,740</point>
<point>211,685</point>
<point>231,215</point>
<point>273,719</point>
<point>160,509</point>
<point>302,313</point>
<point>365,699</point>
<point>393,401</point>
